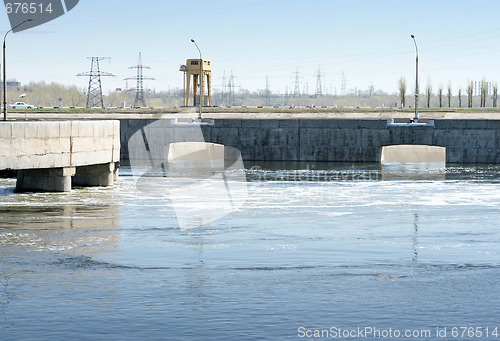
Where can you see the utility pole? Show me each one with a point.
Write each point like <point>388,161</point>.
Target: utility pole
<point>139,90</point>
<point>94,94</point>
<point>415,119</point>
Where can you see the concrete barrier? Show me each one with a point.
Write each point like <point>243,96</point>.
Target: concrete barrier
<point>48,154</point>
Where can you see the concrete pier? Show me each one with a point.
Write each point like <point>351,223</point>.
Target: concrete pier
<point>53,156</point>
<point>413,154</point>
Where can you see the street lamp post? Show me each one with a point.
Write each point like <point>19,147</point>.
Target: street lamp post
<point>5,70</point>
<point>415,120</point>
<point>201,81</point>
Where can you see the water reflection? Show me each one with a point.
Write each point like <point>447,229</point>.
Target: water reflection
<point>415,237</point>
<point>414,171</point>
<point>60,228</point>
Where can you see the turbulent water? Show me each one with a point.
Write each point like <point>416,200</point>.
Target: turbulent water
<point>311,251</point>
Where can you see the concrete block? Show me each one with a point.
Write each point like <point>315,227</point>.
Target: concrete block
<point>81,159</point>
<point>43,131</point>
<point>309,123</point>
<point>412,154</point>
<point>290,124</point>
<point>450,124</point>
<point>348,124</point>
<point>18,130</point>
<point>411,135</point>
<point>5,130</point>
<point>136,123</point>
<point>80,144</point>
<point>270,123</point>
<point>251,124</point>
<point>228,123</point>
<point>494,124</point>
<point>228,136</point>
<point>5,148</point>
<point>65,129</point>
<point>476,124</point>
<point>372,124</point>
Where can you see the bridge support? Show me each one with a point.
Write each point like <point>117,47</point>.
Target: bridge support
<point>47,179</point>
<point>96,175</point>
<point>62,179</point>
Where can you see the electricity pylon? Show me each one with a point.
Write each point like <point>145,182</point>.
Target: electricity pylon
<point>139,90</point>
<point>94,94</point>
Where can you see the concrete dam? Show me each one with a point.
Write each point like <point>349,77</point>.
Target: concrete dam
<point>325,139</point>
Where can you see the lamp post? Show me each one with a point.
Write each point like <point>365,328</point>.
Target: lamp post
<point>201,81</point>
<point>415,120</point>
<point>5,70</point>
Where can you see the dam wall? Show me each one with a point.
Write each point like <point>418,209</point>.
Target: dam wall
<point>342,140</point>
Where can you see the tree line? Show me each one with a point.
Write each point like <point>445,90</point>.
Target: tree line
<point>55,95</point>
<point>464,99</point>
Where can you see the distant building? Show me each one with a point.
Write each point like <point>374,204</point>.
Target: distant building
<point>12,83</point>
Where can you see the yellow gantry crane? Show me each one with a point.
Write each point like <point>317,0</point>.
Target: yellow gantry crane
<point>193,69</point>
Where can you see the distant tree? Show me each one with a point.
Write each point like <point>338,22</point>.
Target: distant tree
<point>429,94</point>
<point>495,95</point>
<point>449,94</point>
<point>484,93</point>
<point>402,91</point>
<point>440,94</point>
<point>470,92</point>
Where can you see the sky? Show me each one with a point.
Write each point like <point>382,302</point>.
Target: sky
<point>365,42</point>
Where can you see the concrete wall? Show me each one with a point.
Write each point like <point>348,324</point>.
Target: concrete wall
<point>36,145</point>
<point>347,140</point>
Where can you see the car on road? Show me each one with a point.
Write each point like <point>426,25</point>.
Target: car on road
<point>20,105</point>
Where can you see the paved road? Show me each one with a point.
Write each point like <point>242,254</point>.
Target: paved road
<point>193,113</point>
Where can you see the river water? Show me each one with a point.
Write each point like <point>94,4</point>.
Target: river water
<point>311,250</point>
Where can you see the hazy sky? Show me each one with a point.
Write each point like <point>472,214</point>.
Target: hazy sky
<point>367,40</point>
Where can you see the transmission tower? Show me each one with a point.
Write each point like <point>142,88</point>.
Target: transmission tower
<point>319,90</point>
<point>286,95</point>
<point>343,86</point>
<point>230,86</point>
<point>296,91</point>
<point>94,94</point>
<point>224,89</point>
<point>139,90</point>
<point>268,92</point>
